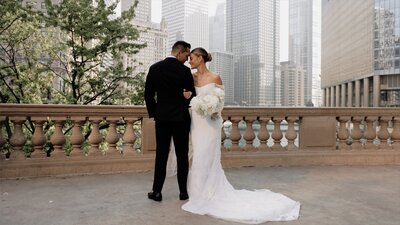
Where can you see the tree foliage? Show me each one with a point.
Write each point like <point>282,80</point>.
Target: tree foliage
<point>91,36</point>
<point>71,52</point>
<point>24,53</point>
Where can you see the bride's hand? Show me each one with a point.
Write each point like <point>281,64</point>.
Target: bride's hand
<point>187,94</point>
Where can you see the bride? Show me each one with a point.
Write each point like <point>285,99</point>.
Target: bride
<point>210,193</point>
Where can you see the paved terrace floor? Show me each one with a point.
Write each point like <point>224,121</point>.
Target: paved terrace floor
<point>335,195</point>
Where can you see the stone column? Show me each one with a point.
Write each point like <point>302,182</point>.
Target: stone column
<point>323,97</point>
<point>350,94</point>
<point>327,97</point>
<point>366,92</point>
<point>376,91</point>
<point>332,96</point>
<point>343,95</point>
<point>357,93</point>
<point>337,96</point>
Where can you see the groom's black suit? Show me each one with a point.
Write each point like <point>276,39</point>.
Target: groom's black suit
<point>165,103</point>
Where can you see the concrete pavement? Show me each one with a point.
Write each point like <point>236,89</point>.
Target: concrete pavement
<point>330,195</point>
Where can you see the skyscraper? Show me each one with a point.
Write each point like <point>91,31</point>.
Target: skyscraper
<point>153,34</point>
<point>252,35</point>
<point>305,45</point>
<point>361,53</point>
<point>186,20</point>
<point>222,64</point>
<point>292,84</point>
<point>218,29</point>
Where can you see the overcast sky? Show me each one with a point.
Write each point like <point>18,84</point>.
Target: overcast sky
<point>212,5</point>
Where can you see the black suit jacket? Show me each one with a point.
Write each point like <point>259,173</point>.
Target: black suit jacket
<point>164,90</point>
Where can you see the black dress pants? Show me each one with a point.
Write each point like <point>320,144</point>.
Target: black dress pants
<point>179,132</point>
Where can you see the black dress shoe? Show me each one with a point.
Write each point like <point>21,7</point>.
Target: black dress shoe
<point>156,196</point>
<point>183,196</point>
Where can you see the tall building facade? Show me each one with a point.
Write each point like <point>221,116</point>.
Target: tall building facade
<point>292,84</point>
<point>361,53</point>
<point>252,35</point>
<point>305,45</point>
<point>218,29</point>
<point>153,34</point>
<point>187,20</point>
<point>222,64</point>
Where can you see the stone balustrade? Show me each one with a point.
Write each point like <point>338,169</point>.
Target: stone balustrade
<point>70,139</point>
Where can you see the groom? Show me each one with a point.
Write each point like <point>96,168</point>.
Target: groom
<point>168,89</point>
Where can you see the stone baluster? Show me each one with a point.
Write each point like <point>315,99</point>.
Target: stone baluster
<point>95,137</point>
<point>277,133</point>
<point>129,137</point>
<point>3,141</point>
<point>356,133</point>
<point>17,140</point>
<point>291,134</point>
<point>77,137</point>
<point>58,138</point>
<point>370,133</point>
<point>396,133</point>
<point>263,134</point>
<point>343,133</point>
<point>249,134</point>
<point>383,133</point>
<point>235,134</point>
<point>38,138</point>
<point>112,136</point>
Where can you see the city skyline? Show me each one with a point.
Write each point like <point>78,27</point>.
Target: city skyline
<point>212,6</point>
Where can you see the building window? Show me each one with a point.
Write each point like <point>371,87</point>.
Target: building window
<point>397,63</point>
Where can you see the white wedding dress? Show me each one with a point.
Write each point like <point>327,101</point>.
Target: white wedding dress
<point>210,193</point>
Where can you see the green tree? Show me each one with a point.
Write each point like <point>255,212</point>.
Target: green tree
<point>24,55</point>
<point>91,34</point>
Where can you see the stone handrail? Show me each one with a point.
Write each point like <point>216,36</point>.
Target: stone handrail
<point>283,136</point>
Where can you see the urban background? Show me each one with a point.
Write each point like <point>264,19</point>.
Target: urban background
<point>336,53</point>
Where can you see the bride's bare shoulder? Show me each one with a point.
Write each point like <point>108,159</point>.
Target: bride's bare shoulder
<point>216,78</point>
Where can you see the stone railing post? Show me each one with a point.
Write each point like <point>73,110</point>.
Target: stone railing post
<point>263,134</point>
<point>277,134</point>
<point>18,140</point>
<point>129,137</point>
<point>235,134</point>
<point>58,138</point>
<point>396,133</point>
<point>95,137</point>
<point>249,134</point>
<point>77,137</point>
<point>356,133</point>
<point>3,141</point>
<point>370,133</point>
<point>38,138</point>
<point>291,134</point>
<point>383,133</point>
<point>343,133</point>
<point>112,137</point>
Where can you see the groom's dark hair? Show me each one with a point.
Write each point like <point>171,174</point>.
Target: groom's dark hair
<point>181,46</point>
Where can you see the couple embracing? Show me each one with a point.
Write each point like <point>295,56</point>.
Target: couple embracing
<point>170,90</point>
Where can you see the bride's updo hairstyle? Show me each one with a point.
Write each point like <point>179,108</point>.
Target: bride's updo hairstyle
<point>203,53</point>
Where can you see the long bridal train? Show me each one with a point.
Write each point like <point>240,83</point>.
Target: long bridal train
<point>210,193</point>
